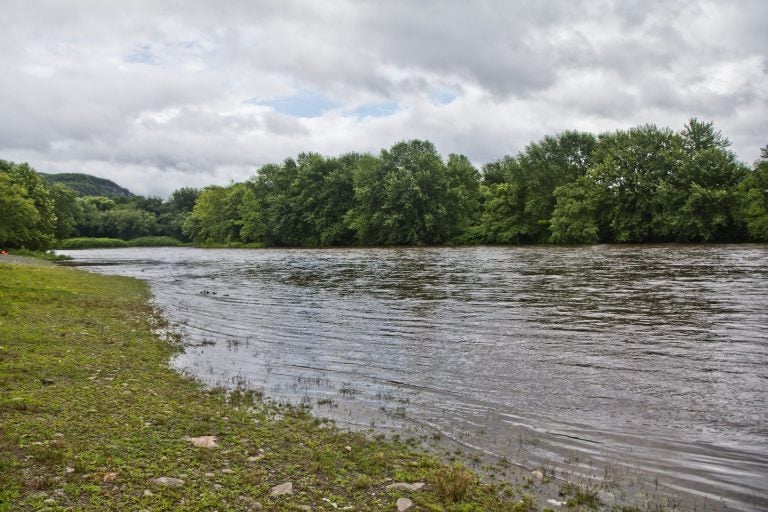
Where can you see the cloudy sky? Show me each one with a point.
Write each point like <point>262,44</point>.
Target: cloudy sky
<point>162,94</point>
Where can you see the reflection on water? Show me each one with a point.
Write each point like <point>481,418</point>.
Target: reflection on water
<point>651,356</point>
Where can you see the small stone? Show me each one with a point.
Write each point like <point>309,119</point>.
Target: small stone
<point>148,493</point>
<point>557,503</point>
<point>255,458</point>
<point>401,486</point>
<point>538,474</point>
<point>50,501</point>
<point>70,470</point>
<point>227,471</point>
<point>348,448</point>
<point>250,502</point>
<point>305,508</point>
<point>218,487</point>
<point>204,441</point>
<point>168,481</point>
<point>209,475</point>
<point>279,490</point>
<point>403,504</point>
<point>58,435</point>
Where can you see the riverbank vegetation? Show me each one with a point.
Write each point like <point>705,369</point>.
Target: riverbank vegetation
<point>641,185</point>
<point>93,418</point>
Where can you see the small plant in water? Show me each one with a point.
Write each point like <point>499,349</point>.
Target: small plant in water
<point>452,482</point>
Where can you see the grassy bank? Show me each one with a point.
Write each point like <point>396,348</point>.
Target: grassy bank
<point>91,415</point>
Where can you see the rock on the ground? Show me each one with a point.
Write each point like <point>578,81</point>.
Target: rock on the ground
<point>538,474</point>
<point>402,486</point>
<point>204,441</point>
<point>556,503</point>
<point>251,503</point>
<point>168,481</point>
<point>279,490</point>
<point>403,504</point>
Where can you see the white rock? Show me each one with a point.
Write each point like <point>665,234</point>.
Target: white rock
<point>204,441</point>
<point>147,492</point>
<point>402,486</point>
<point>279,490</point>
<point>168,481</point>
<point>538,474</point>
<point>403,504</point>
<point>557,503</point>
<point>227,471</point>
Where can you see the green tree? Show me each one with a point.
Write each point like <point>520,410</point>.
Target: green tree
<point>216,215</point>
<point>22,186</point>
<point>521,197</point>
<point>697,199</point>
<point>753,200</point>
<point>403,197</point>
<point>67,208</point>
<point>574,218</point>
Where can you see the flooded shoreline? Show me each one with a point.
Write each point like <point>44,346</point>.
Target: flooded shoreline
<point>633,357</point>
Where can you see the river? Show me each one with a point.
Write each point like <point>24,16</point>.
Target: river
<point>599,360</point>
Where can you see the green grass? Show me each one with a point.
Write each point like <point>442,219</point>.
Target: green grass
<point>90,414</point>
<point>41,255</point>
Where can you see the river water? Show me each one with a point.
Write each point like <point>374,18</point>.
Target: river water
<point>599,359</point>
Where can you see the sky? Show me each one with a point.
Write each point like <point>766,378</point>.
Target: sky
<point>158,95</point>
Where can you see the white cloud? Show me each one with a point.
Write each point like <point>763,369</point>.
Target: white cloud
<point>156,96</point>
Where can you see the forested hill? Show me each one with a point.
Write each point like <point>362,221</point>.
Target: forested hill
<point>87,185</point>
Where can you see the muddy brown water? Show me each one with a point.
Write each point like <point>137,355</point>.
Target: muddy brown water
<point>598,360</point>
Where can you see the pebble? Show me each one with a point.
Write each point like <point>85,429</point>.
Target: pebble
<point>148,493</point>
<point>209,475</point>
<point>250,502</point>
<point>538,474</point>
<point>556,503</point>
<point>255,458</point>
<point>227,471</point>
<point>50,501</point>
<point>168,481</point>
<point>204,441</point>
<point>403,504</point>
<point>284,488</point>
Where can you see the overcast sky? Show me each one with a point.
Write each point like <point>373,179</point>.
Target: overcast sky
<point>157,95</point>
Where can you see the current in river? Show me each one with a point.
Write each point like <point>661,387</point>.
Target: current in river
<point>644,358</point>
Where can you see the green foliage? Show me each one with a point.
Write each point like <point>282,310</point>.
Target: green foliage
<point>753,200</point>
<point>644,184</point>
<point>154,241</point>
<point>521,193</point>
<point>407,196</point>
<point>28,214</point>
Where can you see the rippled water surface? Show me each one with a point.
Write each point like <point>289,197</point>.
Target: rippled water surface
<point>651,357</point>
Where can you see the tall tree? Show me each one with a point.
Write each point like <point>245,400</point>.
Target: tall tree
<point>22,186</point>
<point>521,197</point>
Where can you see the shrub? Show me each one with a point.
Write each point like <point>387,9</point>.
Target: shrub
<point>452,482</point>
<point>154,241</point>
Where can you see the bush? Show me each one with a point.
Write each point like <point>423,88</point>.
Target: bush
<point>154,241</point>
<point>91,243</point>
<point>452,482</point>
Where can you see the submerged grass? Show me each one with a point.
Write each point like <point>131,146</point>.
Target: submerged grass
<point>90,414</point>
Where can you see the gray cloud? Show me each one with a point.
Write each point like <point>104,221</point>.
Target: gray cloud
<point>154,95</point>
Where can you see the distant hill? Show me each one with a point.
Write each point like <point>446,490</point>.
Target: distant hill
<point>87,185</point>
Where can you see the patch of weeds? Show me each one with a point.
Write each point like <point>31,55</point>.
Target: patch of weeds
<point>526,504</point>
<point>452,482</point>
<point>580,495</point>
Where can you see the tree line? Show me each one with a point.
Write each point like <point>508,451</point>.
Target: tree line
<point>644,184</point>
